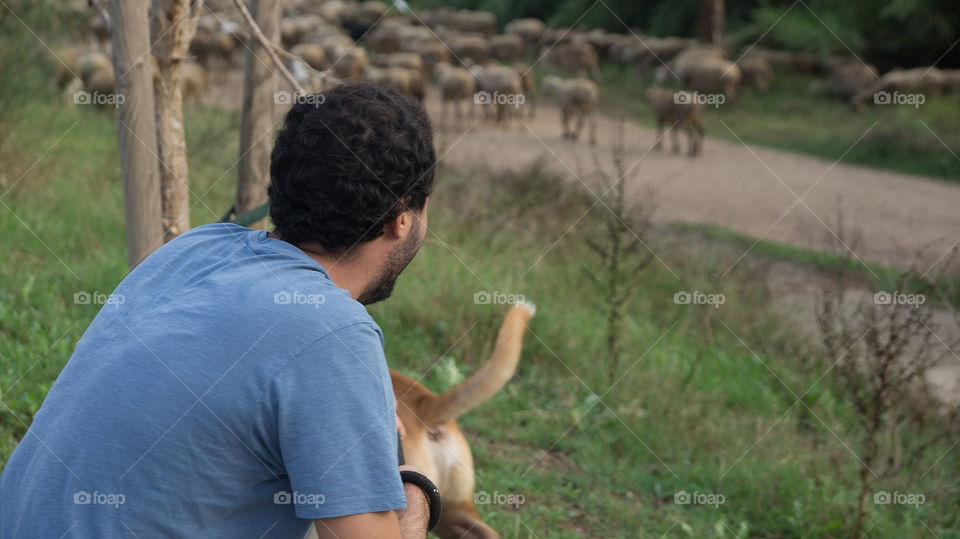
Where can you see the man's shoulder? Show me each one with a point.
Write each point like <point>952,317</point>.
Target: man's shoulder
<point>254,281</point>
<point>214,230</point>
<point>320,309</point>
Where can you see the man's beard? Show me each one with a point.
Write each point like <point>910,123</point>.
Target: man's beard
<point>382,286</point>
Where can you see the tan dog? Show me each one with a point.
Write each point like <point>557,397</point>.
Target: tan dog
<point>433,442</point>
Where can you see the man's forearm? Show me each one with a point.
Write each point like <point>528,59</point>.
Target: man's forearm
<point>415,516</point>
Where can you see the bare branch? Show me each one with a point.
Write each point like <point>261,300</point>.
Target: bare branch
<point>325,74</point>
<point>104,14</point>
<point>270,47</point>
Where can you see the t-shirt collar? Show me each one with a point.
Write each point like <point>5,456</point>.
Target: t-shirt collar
<point>289,248</point>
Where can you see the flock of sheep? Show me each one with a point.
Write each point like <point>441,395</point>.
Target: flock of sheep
<point>460,51</point>
<point>471,64</point>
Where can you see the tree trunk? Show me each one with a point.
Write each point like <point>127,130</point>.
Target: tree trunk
<point>137,132</point>
<point>256,125</point>
<point>175,25</point>
<point>712,21</point>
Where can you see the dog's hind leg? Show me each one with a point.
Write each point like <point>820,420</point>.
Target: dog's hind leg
<point>461,521</point>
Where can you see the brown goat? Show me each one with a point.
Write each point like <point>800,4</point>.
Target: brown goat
<point>456,85</point>
<point>677,110</point>
<point>576,97</point>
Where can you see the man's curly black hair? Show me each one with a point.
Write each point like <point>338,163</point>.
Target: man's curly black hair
<point>348,161</point>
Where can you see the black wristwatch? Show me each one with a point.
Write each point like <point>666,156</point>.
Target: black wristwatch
<point>428,488</point>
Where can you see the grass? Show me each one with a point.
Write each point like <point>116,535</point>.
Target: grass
<point>704,402</point>
<point>924,140</point>
<point>62,216</point>
<point>876,276</point>
<point>686,408</point>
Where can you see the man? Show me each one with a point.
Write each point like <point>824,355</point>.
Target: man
<point>235,386</point>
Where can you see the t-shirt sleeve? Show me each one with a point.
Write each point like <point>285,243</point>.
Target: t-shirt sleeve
<point>336,426</point>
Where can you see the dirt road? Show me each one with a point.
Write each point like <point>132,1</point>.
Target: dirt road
<point>759,192</point>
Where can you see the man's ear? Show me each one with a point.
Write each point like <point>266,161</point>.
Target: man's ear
<point>400,226</point>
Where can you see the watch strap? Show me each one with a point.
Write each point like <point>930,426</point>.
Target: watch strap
<point>428,488</point>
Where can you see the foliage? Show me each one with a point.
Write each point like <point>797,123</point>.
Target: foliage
<point>887,32</point>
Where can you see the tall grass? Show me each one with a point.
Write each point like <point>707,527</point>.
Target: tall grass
<point>707,402</point>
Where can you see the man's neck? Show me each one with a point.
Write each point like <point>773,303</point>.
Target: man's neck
<point>347,272</point>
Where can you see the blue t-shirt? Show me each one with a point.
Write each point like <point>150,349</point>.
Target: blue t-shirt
<point>226,389</point>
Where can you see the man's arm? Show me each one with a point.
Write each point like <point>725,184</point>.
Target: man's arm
<point>407,523</point>
<point>336,426</point>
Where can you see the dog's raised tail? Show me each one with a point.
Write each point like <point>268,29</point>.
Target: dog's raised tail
<point>482,385</point>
